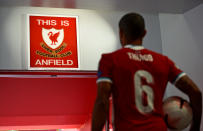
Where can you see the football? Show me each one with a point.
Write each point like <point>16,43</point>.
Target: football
<point>177,113</point>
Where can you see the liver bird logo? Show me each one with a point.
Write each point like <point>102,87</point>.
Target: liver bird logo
<point>53,37</point>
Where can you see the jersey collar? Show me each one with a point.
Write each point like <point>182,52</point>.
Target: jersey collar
<point>135,47</point>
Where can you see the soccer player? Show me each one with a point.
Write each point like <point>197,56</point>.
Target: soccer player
<point>137,78</point>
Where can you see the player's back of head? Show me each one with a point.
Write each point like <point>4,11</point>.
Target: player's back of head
<point>133,26</point>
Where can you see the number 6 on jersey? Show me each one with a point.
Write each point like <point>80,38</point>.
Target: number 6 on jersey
<point>141,90</point>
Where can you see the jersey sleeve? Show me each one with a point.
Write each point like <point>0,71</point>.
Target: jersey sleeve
<point>174,72</point>
<point>105,69</point>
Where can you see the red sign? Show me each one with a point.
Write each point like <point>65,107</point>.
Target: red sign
<point>53,42</point>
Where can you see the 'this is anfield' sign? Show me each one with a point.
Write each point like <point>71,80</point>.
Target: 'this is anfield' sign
<point>53,42</point>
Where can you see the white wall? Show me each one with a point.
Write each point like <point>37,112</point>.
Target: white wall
<point>98,33</point>
<point>182,41</point>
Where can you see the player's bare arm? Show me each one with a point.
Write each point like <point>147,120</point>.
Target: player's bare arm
<point>101,107</point>
<point>186,85</point>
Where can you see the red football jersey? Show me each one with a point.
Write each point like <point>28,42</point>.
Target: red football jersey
<point>139,78</point>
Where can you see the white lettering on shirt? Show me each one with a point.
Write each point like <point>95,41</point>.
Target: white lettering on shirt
<point>140,57</point>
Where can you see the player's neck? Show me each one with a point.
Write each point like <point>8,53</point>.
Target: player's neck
<point>137,42</point>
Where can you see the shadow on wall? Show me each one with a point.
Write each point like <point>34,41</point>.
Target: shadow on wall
<point>194,20</point>
<point>9,37</point>
<point>152,39</point>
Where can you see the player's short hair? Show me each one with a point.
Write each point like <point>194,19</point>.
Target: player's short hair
<point>132,25</point>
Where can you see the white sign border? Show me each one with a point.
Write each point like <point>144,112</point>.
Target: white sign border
<point>28,42</point>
